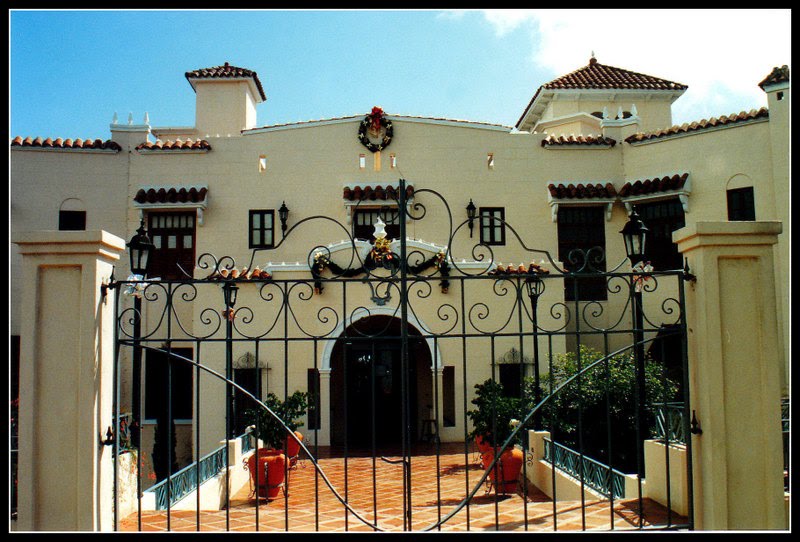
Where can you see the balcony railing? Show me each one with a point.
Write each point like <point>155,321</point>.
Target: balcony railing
<point>596,475</point>
<point>192,476</point>
<point>669,422</point>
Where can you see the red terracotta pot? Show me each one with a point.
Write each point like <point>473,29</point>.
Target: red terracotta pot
<point>292,447</point>
<point>506,470</point>
<point>483,445</point>
<point>271,472</point>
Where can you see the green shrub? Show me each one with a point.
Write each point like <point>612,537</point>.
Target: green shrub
<point>492,419</point>
<point>604,398</point>
<point>290,412</point>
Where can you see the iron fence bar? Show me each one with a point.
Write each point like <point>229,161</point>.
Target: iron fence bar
<point>436,418</point>
<point>553,484</point>
<point>405,390</point>
<point>496,466</point>
<point>197,424</point>
<point>318,415</point>
<point>170,422</point>
<point>462,289</point>
<point>524,483</point>
<point>666,436</point>
<point>285,398</point>
<point>609,442</point>
<point>638,338</point>
<point>373,437</point>
<point>577,297</point>
<point>259,394</point>
<point>345,405</point>
<point>136,400</point>
<point>115,409</point>
<point>685,366</point>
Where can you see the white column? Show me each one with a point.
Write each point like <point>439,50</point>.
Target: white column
<point>66,387</point>
<point>734,374</point>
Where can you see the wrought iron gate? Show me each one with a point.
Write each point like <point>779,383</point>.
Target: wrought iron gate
<point>407,352</point>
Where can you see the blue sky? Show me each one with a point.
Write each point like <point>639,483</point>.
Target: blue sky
<point>70,71</point>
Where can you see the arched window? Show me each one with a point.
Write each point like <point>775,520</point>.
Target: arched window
<point>72,215</point>
<point>740,195</point>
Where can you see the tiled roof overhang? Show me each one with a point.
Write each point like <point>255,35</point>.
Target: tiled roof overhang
<point>667,186</point>
<point>580,194</point>
<point>66,144</point>
<point>368,193</point>
<point>226,72</point>
<point>721,122</point>
<point>582,191</point>
<point>580,140</point>
<point>652,186</point>
<point>172,197</point>
<point>776,76</point>
<point>177,145</point>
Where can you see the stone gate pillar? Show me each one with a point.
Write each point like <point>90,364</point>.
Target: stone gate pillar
<point>734,374</point>
<point>66,373</point>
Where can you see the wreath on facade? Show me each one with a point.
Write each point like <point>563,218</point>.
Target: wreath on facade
<point>374,123</point>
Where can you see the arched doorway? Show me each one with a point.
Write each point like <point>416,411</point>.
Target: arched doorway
<point>366,384</point>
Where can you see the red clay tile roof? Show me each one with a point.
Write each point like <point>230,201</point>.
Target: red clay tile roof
<point>171,195</point>
<point>178,145</point>
<point>582,191</point>
<point>58,143</point>
<point>653,186</point>
<point>579,140</point>
<point>703,124</point>
<point>361,193</point>
<point>778,75</point>
<point>600,76</point>
<point>227,71</point>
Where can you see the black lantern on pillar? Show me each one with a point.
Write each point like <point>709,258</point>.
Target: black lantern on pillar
<point>471,215</point>
<point>634,233</point>
<point>283,214</point>
<point>140,249</point>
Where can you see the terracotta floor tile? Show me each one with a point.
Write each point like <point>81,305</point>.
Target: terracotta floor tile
<point>312,506</point>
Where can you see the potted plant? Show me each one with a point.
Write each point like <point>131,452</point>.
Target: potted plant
<point>280,450</point>
<point>493,421</point>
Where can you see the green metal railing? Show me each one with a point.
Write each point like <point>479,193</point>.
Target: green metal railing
<point>596,475</point>
<point>669,422</point>
<point>190,477</point>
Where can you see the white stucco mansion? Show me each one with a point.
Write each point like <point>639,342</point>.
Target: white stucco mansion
<point>589,146</point>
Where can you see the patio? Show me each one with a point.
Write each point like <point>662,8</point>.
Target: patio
<point>375,490</point>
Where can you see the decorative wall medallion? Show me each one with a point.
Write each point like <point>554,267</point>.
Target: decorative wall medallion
<point>375,131</point>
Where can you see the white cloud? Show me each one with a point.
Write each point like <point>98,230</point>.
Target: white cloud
<point>721,54</point>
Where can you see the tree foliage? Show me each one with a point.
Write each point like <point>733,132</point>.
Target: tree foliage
<point>596,411</point>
